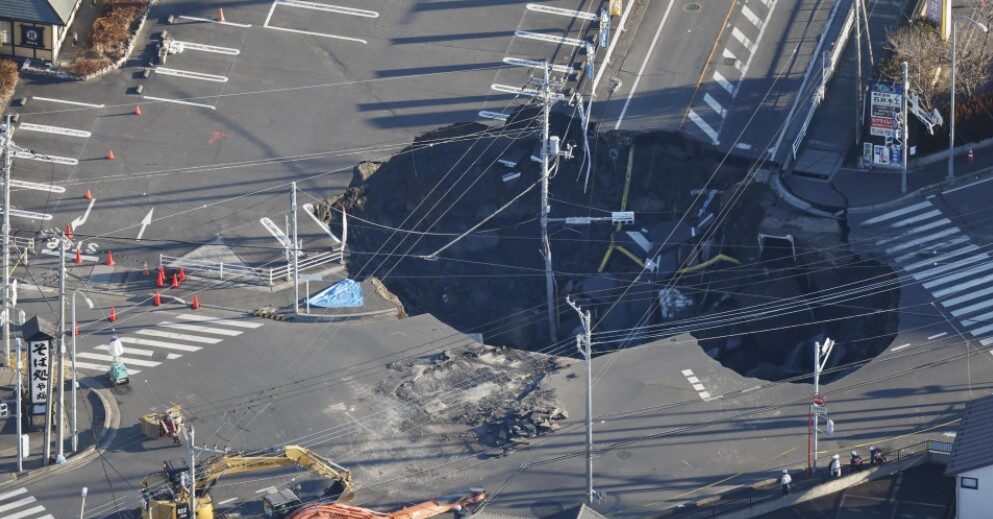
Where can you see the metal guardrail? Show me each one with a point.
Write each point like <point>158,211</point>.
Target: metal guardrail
<point>748,497</point>
<point>246,274</point>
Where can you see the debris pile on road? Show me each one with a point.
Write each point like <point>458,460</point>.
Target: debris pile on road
<point>488,396</point>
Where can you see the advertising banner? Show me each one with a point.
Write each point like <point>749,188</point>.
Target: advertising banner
<point>38,358</point>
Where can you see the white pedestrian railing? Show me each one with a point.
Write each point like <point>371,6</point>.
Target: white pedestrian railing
<point>245,274</point>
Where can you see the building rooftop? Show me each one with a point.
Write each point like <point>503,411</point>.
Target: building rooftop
<point>54,12</point>
<point>576,512</point>
<point>973,446</point>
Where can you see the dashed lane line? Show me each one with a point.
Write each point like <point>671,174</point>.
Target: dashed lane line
<point>900,347</point>
<point>937,336</point>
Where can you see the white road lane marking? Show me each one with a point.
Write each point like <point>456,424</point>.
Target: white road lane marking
<point>17,504</point>
<point>207,48</point>
<point>723,81</point>
<point>714,105</point>
<point>12,493</point>
<point>130,351</point>
<point>938,260</point>
<point>533,63</point>
<point>758,39</point>
<point>24,184</point>
<point>101,367</point>
<point>498,116</point>
<point>217,320</point>
<point>530,92</point>
<point>76,222</point>
<point>29,215</point>
<point>67,102</point>
<point>898,212</point>
<point>226,501</point>
<point>687,372</point>
<point>25,513</point>
<point>937,336</point>
<point>125,360</point>
<point>318,34</point>
<point>84,257</point>
<point>900,347</point>
<point>938,247</point>
<point>963,286</point>
<point>265,490</point>
<point>189,74</point>
<point>969,297</point>
<point>916,230</point>
<point>350,11</point>
<point>40,157</point>
<point>160,344</point>
<point>740,36</point>
<point>55,130</point>
<point>977,319</point>
<point>751,16</point>
<point>145,222</point>
<point>944,267</point>
<point>198,19</point>
<point>709,130</point>
<point>915,219</point>
<point>644,63</point>
<point>181,102</point>
<point>547,9</point>
<point>730,55</point>
<point>201,329</point>
<point>178,336</point>
<point>549,38</point>
<point>958,275</point>
<point>919,241</point>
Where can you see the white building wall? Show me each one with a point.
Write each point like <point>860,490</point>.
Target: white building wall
<point>975,503</point>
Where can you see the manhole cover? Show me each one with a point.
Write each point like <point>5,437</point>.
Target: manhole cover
<point>623,455</point>
<point>692,7</point>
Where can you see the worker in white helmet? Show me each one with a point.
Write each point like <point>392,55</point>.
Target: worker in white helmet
<point>785,481</point>
<point>835,466</point>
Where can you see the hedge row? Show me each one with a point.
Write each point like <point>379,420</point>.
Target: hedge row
<point>8,79</point>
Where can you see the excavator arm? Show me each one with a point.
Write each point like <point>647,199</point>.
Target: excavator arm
<point>290,455</point>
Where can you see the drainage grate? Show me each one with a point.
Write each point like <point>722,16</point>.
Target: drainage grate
<point>692,7</point>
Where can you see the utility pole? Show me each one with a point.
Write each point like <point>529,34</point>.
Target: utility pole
<point>858,74</point>
<point>296,249</point>
<point>20,418</point>
<point>821,354</point>
<point>61,457</point>
<point>193,477</point>
<point>546,246</point>
<point>905,136</point>
<point>584,343</point>
<point>6,244</point>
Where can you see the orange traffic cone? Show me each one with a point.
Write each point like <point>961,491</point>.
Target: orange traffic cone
<point>79,257</point>
<point>144,271</point>
<point>220,15</point>
<point>110,155</point>
<point>88,195</point>
<point>110,259</point>
<point>160,281</point>
<point>137,110</point>
<point>175,281</point>
<point>182,274</point>
<point>196,303</point>
<point>113,314</point>
<point>68,231</point>
<point>157,300</point>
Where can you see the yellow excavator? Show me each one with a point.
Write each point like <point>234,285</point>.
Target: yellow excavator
<point>165,494</point>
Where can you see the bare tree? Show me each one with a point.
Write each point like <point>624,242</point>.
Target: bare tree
<point>918,43</point>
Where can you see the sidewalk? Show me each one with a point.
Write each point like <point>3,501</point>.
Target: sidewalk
<point>853,188</point>
<point>97,416</point>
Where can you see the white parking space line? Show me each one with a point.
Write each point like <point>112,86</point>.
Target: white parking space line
<point>533,63</point>
<point>101,367</point>
<point>29,215</point>
<point>181,102</point>
<point>510,89</point>
<point>937,336</point>
<point>56,130</point>
<point>709,130</point>
<point>189,74</point>
<point>184,45</point>
<point>53,159</point>
<point>218,22</point>
<point>900,347</point>
<point>547,9</point>
<point>644,63</point>
<point>318,34</point>
<point>713,104</point>
<point>217,320</point>
<point>350,11</point>
<point>178,336</point>
<point>557,40</point>
<point>160,344</point>
<point>723,81</point>
<point>751,16</point>
<point>201,329</point>
<point>66,102</point>
<point>109,358</point>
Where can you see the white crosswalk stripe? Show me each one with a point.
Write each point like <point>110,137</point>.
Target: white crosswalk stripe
<point>151,346</point>
<point>17,504</point>
<point>959,275</point>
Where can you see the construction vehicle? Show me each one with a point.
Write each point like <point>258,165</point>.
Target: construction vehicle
<point>165,424</point>
<point>166,494</point>
<point>460,503</point>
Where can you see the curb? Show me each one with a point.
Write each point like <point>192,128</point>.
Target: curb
<point>939,187</point>
<point>784,193</point>
<point>111,424</point>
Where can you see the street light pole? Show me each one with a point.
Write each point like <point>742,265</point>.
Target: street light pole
<point>75,383</point>
<point>296,250</point>
<point>905,135</point>
<point>82,504</point>
<point>60,458</point>
<point>951,111</point>
<point>193,476</point>
<point>821,354</point>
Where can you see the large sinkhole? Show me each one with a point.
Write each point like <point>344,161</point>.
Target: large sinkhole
<point>450,226</point>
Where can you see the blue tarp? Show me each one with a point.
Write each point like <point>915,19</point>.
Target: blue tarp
<point>343,294</point>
